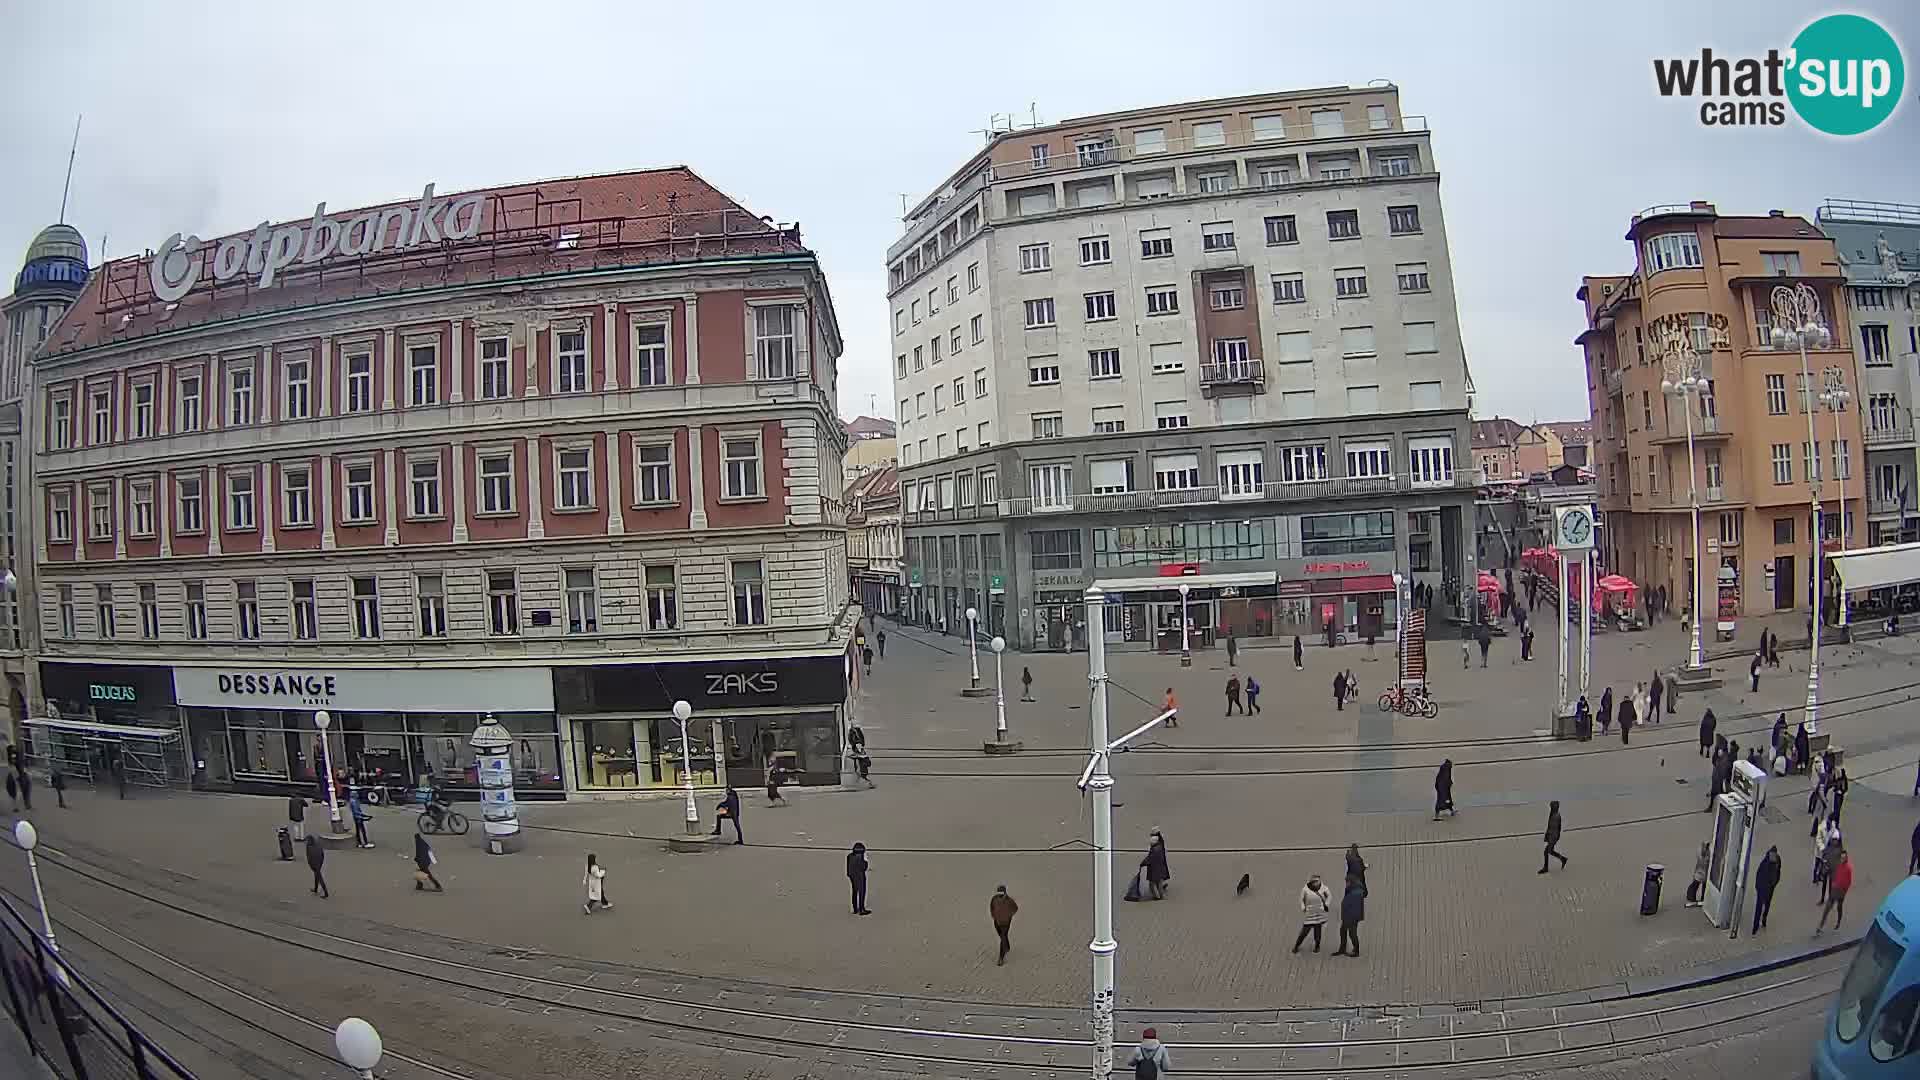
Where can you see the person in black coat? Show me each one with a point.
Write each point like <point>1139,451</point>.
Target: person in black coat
<point>1356,866</point>
<point>1778,740</point>
<point>423,861</point>
<point>857,878</point>
<point>1552,836</point>
<point>1654,693</point>
<point>297,816</point>
<point>1627,719</point>
<point>1155,864</point>
<point>317,858</point>
<point>729,810</point>
<point>1801,752</point>
<point>1353,908</point>
<point>1340,691</point>
<point>1299,652</point>
<point>1707,723</point>
<point>1753,672</point>
<point>26,790</point>
<point>1765,880</point>
<point>1605,716</point>
<point>1443,790</point>
<point>59,781</point>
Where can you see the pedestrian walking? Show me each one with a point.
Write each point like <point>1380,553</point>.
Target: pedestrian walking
<point>866,658</point>
<point>1356,866</point>
<point>1233,696</point>
<point>13,789</point>
<point>1707,723</point>
<point>59,781</point>
<point>1840,787</point>
<point>1817,796</point>
<point>1765,880</point>
<point>1827,854</point>
<point>1353,909</point>
<point>1443,790</point>
<point>1697,888</point>
<point>1485,638</point>
<point>1155,865</point>
<point>1627,719</point>
<point>1253,695</point>
<point>857,878</point>
<point>1553,836</point>
<point>316,860</point>
<point>776,775</point>
<point>1026,683</point>
<point>1353,686</point>
<point>1839,881</point>
<point>1466,654</point>
<point>423,863</point>
<point>1233,649</point>
<point>1003,908</point>
<point>1299,655</point>
<point>360,838</point>
<point>1655,691</point>
<point>595,882</point>
<point>1606,709</point>
<point>1526,644</point>
<point>729,810</point>
<point>881,637</point>
<point>1642,712</point>
<point>1778,739</point>
<point>1800,750</point>
<point>857,749</point>
<point>1171,705</point>
<point>1315,904</point>
<point>1339,690</point>
<point>1753,672</point>
<point>1673,696</point>
<point>1150,1058</point>
<point>1773,649</point>
<point>297,816</point>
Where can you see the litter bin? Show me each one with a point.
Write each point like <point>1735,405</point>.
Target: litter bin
<point>1650,890</point>
<point>286,844</point>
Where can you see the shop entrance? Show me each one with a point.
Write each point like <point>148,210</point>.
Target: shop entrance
<point>805,745</point>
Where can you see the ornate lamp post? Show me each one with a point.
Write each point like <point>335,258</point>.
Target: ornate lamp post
<point>974,689</point>
<point>1186,650</point>
<point>684,712</point>
<point>1684,342</point>
<point>1796,324</point>
<point>1835,396</point>
<point>323,720</point>
<point>359,1046</point>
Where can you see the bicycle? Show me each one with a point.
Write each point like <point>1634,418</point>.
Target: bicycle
<point>1414,702</point>
<point>452,822</point>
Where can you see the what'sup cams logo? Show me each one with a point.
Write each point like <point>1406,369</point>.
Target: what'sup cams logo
<point>1843,75</point>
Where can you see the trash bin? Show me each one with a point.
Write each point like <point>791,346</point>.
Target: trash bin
<point>286,844</point>
<point>1650,890</point>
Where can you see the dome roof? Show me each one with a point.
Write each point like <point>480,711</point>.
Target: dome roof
<point>58,241</point>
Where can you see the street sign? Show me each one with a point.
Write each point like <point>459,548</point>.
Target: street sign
<point>1573,528</point>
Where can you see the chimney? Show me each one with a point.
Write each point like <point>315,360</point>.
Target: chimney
<point>1776,213</point>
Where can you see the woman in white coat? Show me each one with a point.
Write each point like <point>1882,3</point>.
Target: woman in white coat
<point>595,881</point>
<point>1315,903</point>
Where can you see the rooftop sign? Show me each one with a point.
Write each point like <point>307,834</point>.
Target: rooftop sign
<point>268,250</point>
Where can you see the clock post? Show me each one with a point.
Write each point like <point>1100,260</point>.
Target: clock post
<point>1573,536</point>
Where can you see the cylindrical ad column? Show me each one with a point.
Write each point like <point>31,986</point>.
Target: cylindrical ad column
<point>493,756</point>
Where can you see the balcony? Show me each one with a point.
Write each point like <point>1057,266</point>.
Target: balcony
<point>1883,504</point>
<point>1615,381</point>
<point>1117,152</point>
<point>1888,435</point>
<point>1220,378</point>
<point>1705,429</point>
<point>1342,487</point>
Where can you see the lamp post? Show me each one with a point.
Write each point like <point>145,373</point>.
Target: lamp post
<point>999,646</point>
<point>1835,396</point>
<point>1686,384</point>
<point>1399,637</point>
<point>974,689</point>
<point>25,835</point>
<point>684,712</point>
<point>323,720</point>
<point>1186,650</point>
<point>359,1045</point>
<point>1796,324</point>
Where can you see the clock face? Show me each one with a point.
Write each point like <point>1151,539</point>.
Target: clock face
<point>1576,527</point>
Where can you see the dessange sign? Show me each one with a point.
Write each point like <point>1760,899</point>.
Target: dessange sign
<point>358,690</point>
<point>267,250</point>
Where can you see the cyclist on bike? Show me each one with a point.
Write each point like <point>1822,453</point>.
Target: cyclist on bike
<point>437,803</point>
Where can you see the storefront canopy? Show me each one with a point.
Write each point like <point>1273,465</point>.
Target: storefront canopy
<point>1877,567</point>
<point>1197,581</point>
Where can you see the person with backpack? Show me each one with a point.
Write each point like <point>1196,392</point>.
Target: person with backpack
<point>1253,695</point>
<point>1315,904</point>
<point>1150,1058</point>
<point>1552,837</point>
<point>297,817</point>
<point>360,816</point>
<point>881,637</point>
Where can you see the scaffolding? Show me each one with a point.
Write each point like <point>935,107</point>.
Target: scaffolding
<point>108,753</point>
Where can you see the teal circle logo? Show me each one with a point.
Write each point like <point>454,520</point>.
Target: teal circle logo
<point>1847,75</point>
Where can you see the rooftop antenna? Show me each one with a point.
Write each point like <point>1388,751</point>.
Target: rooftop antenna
<point>1033,113</point>
<point>72,151</point>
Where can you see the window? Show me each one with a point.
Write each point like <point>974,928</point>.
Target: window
<point>1328,123</point>
<point>298,392</point>
<point>663,599</point>
<point>246,610</point>
<point>1037,156</point>
<point>939,399</point>
<point>240,500</point>
<point>1360,399</point>
<point>1303,463</point>
<point>1099,306</point>
<point>953,341</point>
<point>1093,151</point>
<point>1166,357</point>
<point>653,469</point>
<point>749,593</point>
<point>1156,243</point>
<point>1412,277</point>
<point>741,456</point>
<point>1421,337</point>
<point>1356,341</point>
<point>60,422</point>
<point>953,289</point>
<point>1294,347</point>
<point>900,366</point>
<point>149,611</point>
<point>960,390</point>
<point>103,610</point>
<point>1214,183</point>
<point>359,487</point>
<point>1266,128</point>
<point>1782,463</point>
<point>1230,297</point>
<point>976,329</point>
<point>989,486</point>
<point>933,301</point>
<point>101,405</point>
<point>503,603</point>
<point>1869,299</point>
<point>1783,530</point>
<point>196,609</point>
<point>140,508</point>
<point>1169,415</point>
<point>1216,236</point>
<point>1240,474</point>
<point>1781,263</point>
<point>1873,345</point>
<point>919,358</point>
<point>1810,460</point>
<point>1842,461</point>
<point>973,277</point>
<point>494,369</point>
<point>1109,419</point>
<point>1176,472</point>
<point>979,382</point>
<point>305,617</point>
<point>423,487</point>
<point>1051,486</point>
<point>960,447</point>
<point>142,410</point>
<point>296,496</point>
<point>1730,527</point>
<point>1273,176</point>
<point>189,418</point>
<point>1101,364</point>
<point>1776,395</point>
<point>1040,312</point>
<point>1210,133</point>
<point>920,405</point>
<point>360,383</point>
<point>1048,426</point>
<point>496,482</point>
<point>570,361</point>
<point>99,512</point>
<point>1095,250</point>
<point>1282,230</point>
<point>1402,220</point>
<point>66,612</point>
<point>776,341</point>
<point>366,608</point>
<point>650,355</point>
<point>934,348</point>
<point>1350,282</point>
<point>1343,224</point>
<point>187,491</point>
<point>240,397</point>
<point>583,614</point>
<point>1035,257</point>
<point>1150,141</point>
<point>916,312</point>
<point>1431,460</point>
<point>1055,549</point>
<point>1394,165</point>
<point>1369,460</point>
<point>1426,395</point>
<point>1163,300</point>
<point>1671,250</point>
<point>575,469</point>
<point>1335,169</point>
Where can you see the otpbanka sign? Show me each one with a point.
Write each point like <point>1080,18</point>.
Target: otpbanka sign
<point>266,251</point>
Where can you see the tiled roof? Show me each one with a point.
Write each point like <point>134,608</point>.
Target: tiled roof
<point>869,427</point>
<point>1498,431</point>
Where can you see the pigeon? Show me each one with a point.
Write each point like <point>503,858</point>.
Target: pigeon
<point>1246,882</point>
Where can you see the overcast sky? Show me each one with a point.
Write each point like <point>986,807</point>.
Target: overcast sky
<point>1547,129</point>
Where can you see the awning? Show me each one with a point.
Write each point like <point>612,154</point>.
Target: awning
<point>1877,567</point>
<point>1196,581</point>
<point>104,731</point>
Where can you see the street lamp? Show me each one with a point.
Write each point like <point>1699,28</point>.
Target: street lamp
<point>1186,650</point>
<point>1399,636</point>
<point>974,689</point>
<point>1835,396</point>
<point>1681,354</point>
<point>683,712</point>
<point>999,645</point>
<point>25,835</point>
<point>324,720</point>
<point>359,1045</point>
<point>1796,324</point>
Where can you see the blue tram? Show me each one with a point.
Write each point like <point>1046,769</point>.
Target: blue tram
<point>1873,1028</point>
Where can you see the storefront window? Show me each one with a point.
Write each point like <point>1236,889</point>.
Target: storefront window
<point>1346,534</point>
<point>257,745</point>
<point>444,748</point>
<point>668,755</point>
<point>1197,542</point>
<point>605,755</point>
<point>536,750</point>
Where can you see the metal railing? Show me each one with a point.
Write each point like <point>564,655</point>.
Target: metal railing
<point>1272,491</point>
<point>1115,152</point>
<point>1881,503</point>
<point>1230,372</point>
<point>1890,434</point>
<point>64,1020</point>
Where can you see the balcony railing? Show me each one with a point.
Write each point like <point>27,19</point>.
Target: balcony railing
<point>1232,373</point>
<point>1089,157</point>
<point>1882,503</point>
<point>1272,491</point>
<point>1889,434</point>
<point>1614,381</point>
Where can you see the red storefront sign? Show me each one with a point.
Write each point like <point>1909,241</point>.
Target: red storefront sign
<point>1337,567</point>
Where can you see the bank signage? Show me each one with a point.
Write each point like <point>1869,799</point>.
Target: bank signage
<point>264,253</point>
<point>714,684</point>
<point>496,689</point>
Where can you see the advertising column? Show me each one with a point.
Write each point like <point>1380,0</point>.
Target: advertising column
<point>492,748</point>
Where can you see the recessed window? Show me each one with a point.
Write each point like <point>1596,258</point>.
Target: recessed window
<point>1328,123</point>
<point>142,410</point>
<point>1421,337</point>
<point>749,592</point>
<point>663,599</point>
<point>976,329</point>
<point>973,277</point>
<point>196,610</point>
<point>503,603</point>
<point>979,382</point>
<point>423,487</point>
<point>431,591</point>
<point>570,361</point>
<point>190,416</point>
<point>776,340</point>
<point>305,613</point>
<point>1210,133</point>
<point>1350,282</point>
<point>1289,288</point>
<point>360,382</point>
<point>189,515</point>
<point>496,482</point>
<point>1273,176</point>
<point>495,372</point>
<point>423,375</point>
<point>99,512</point>
<point>59,422</point>
<point>1095,250</point>
<point>149,611</point>
<point>1043,371</point>
<point>246,609</point>
<point>101,408</point>
<point>654,472</point>
<point>741,458</point>
<point>1241,474</point>
<point>1431,461</point>
<point>1034,257</point>
<point>1049,425</point>
<point>1150,141</point>
<point>1156,243</point>
<point>1412,277</point>
<point>1268,128</point>
<point>1040,313</point>
<point>1163,300</point>
<point>1103,363</point>
<point>1394,165</point>
<point>1176,472</point>
<point>1100,306</point>
<point>1216,236</point>
<point>298,391</point>
<point>1776,395</point>
<point>359,486</point>
<point>1169,415</point>
<point>67,628</point>
<point>240,516</point>
<point>583,611</point>
<point>240,397</point>
<point>103,611</point>
<point>1166,358</point>
<point>575,469</point>
<point>366,608</point>
<point>140,508</point>
<point>1343,224</point>
<point>1109,419</point>
<point>1229,297</point>
<point>650,355</point>
<point>1402,220</point>
<point>1281,230</point>
<point>1356,341</point>
<point>296,496</point>
<point>1671,251</point>
<point>1214,183</point>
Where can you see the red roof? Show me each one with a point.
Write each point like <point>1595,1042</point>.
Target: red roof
<point>869,427</point>
<point>656,216</point>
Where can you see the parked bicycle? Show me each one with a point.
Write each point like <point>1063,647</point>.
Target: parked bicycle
<point>1409,701</point>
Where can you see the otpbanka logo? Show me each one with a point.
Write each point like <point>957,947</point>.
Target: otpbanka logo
<point>1843,75</point>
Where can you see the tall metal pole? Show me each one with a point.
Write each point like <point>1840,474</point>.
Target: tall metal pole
<point>1813,491</point>
<point>323,720</point>
<point>1103,946</point>
<point>1186,653</point>
<point>973,650</point>
<point>1588,565</point>
<point>1566,617</point>
<point>999,691</point>
<point>1836,399</point>
<point>1693,496</point>
<point>683,711</point>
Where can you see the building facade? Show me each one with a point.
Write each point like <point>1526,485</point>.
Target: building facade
<point>564,452</point>
<point>870,445</point>
<point>1704,282</point>
<point>874,541</point>
<point>1879,248</point>
<point>1215,340</point>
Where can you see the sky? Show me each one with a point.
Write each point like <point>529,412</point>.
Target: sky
<point>1547,129</point>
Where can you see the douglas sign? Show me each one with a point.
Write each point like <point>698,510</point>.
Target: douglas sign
<point>268,250</point>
